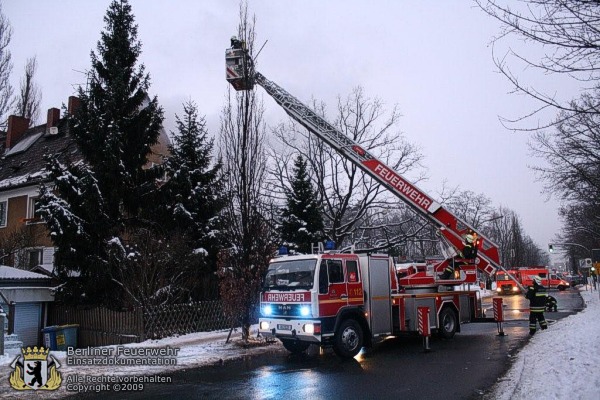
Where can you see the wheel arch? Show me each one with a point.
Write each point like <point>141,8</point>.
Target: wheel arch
<point>449,304</point>
<point>358,315</point>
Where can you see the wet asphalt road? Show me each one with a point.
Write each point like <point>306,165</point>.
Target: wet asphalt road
<point>462,368</point>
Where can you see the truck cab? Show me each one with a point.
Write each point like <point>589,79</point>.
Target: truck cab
<point>505,285</point>
<point>306,298</point>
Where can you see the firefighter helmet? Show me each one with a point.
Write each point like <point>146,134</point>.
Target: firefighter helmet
<point>537,280</point>
<point>469,239</point>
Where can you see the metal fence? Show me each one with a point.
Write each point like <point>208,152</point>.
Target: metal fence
<point>100,326</point>
<point>180,319</point>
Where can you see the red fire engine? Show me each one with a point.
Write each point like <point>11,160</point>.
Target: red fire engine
<point>350,300</point>
<point>507,285</point>
<point>549,279</point>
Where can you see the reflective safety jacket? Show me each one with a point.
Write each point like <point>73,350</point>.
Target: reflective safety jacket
<point>469,251</point>
<point>537,296</point>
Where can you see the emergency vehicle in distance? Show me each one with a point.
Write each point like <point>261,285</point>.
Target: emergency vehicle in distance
<point>505,284</point>
<point>549,278</point>
<point>348,300</point>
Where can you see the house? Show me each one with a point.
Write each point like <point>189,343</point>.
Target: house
<point>24,240</point>
<point>25,244</point>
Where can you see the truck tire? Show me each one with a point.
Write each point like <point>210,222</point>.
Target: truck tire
<point>448,323</point>
<point>348,339</point>
<point>561,288</point>
<point>295,346</point>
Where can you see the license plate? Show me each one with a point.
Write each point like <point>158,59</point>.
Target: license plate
<point>284,327</point>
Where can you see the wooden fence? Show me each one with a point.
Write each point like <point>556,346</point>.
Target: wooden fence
<point>101,327</point>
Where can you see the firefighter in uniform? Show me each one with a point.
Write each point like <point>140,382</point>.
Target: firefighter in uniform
<point>537,296</point>
<point>468,251</point>
<point>551,304</point>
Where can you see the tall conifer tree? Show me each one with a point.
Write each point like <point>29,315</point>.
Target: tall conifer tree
<point>192,198</point>
<point>302,222</point>
<point>192,195</point>
<point>96,203</point>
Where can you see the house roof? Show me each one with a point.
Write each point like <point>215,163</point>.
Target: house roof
<point>44,269</point>
<point>18,274</point>
<point>24,164</point>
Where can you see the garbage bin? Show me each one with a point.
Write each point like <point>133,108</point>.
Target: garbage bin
<point>59,337</point>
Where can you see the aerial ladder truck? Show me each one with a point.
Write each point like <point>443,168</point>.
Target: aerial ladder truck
<point>350,300</point>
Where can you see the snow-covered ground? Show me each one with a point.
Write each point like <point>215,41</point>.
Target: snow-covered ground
<point>560,363</point>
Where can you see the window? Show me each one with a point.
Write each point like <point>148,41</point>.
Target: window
<point>33,210</point>
<point>335,271</point>
<point>3,213</point>
<point>34,257</point>
<point>352,269</point>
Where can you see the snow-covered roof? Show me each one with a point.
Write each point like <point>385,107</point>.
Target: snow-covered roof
<point>7,272</point>
<point>24,164</point>
<point>22,179</point>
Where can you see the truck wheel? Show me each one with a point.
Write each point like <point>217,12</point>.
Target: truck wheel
<point>348,339</point>
<point>295,346</point>
<point>561,288</point>
<point>448,323</point>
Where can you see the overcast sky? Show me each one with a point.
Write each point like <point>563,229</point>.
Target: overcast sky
<point>431,58</point>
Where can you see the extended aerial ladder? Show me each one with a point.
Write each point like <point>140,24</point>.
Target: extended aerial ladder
<point>241,74</point>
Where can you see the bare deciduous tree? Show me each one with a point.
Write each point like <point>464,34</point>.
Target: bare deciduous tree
<point>571,167</point>
<point>475,209</point>
<point>6,89</point>
<point>567,35</point>
<point>14,241</point>
<point>242,144</point>
<point>355,207</point>
<point>30,96</point>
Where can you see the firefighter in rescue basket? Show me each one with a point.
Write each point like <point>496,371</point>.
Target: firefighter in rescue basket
<point>469,251</point>
<point>537,297</point>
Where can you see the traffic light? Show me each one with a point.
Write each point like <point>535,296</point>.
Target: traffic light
<point>551,248</point>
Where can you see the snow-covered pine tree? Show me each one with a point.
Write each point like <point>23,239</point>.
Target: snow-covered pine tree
<point>97,202</point>
<point>193,192</point>
<point>302,222</point>
<point>193,195</point>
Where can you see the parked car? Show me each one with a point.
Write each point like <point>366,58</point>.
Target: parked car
<point>575,280</point>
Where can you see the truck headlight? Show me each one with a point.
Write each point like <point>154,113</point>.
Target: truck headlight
<point>515,289</point>
<point>264,325</point>
<point>312,329</point>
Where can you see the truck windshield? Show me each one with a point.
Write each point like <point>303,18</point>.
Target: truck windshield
<point>291,274</point>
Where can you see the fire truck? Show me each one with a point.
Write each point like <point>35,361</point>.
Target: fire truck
<point>549,279</point>
<point>349,300</point>
<point>506,285</point>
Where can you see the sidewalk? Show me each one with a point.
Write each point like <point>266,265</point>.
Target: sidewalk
<point>192,351</point>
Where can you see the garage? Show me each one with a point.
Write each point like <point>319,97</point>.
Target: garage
<point>24,297</point>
